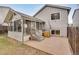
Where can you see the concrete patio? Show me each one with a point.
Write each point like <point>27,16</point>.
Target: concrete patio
<point>53,45</point>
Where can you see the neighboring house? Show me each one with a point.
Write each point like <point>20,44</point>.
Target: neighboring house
<point>55,18</point>
<point>21,26</point>
<point>76,18</point>
<point>3,15</point>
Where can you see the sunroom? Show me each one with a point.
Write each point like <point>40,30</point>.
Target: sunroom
<point>24,27</point>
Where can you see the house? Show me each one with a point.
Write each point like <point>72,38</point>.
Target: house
<point>55,18</point>
<point>3,13</point>
<point>76,18</point>
<point>22,26</point>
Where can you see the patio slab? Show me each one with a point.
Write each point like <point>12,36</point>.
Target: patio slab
<point>53,45</point>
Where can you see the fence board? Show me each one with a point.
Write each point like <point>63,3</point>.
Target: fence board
<point>73,35</point>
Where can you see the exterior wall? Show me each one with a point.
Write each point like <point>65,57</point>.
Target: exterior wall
<point>60,24</point>
<point>14,34</point>
<point>18,35</point>
<point>26,37</point>
<point>76,19</point>
<point>3,13</point>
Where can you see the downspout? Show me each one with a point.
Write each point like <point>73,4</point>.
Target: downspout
<point>49,27</point>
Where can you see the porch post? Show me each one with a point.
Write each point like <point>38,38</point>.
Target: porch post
<point>35,26</point>
<point>22,25</point>
<point>31,29</point>
<point>39,25</point>
<point>9,27</point>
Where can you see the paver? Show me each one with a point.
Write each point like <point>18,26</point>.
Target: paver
<point>53,45</point>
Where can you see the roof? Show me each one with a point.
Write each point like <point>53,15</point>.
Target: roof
<point>25,16</point>
<point>54,6</point>
<point>4,7</point>
<point>7,13</point>
<point>74,12</point>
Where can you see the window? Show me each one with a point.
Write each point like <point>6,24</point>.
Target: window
<point>37,25</point>
<point>40,26</point>
<point>27,30</point>
<point>19,28</point>
<point>58,32</point>
<point>17,25</point>
<point>55,16</point>
<point>11,26</point>
<point>33,25</point>
<point>55,32</point>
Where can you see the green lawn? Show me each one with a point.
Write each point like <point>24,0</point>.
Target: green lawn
<point>8,47</point>
<point>11,47</point>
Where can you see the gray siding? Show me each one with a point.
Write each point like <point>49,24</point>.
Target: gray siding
<point>60,24</point>
<point>76,18</point>
<point>15,35</point>
<point>3,13</point>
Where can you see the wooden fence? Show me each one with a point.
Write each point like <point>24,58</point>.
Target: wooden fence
<point>3,29</point>
<point>73,35</point>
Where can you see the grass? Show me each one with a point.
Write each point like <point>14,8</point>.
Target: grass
<point>11,47</point>
<point>6,46</point>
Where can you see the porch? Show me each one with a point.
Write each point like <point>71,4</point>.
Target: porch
<point>33,29</point>
<point>26,27</point>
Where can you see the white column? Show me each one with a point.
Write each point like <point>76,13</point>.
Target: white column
<point>22,28</point>
<point>35,26</point>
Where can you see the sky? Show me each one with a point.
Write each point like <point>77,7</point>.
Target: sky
<point>31,9</point>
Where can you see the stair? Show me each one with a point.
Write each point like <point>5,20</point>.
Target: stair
<point>37,36</point>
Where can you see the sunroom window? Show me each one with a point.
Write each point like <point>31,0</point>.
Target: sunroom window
<point>17,26</point>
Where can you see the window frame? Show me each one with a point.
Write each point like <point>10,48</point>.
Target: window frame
<point>54,17</point>
<point>52,31</point>
<point>16,26</point>
<point>58,32</point>
<point>11,26</point>
<point>55,32</point>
